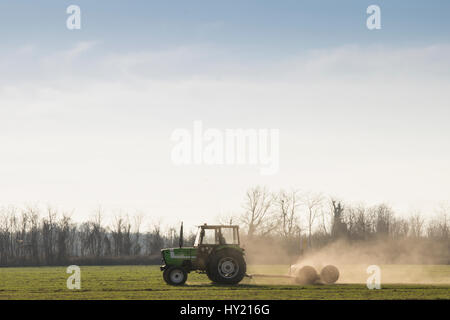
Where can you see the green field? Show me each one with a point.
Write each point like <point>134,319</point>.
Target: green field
<point>145,282</point>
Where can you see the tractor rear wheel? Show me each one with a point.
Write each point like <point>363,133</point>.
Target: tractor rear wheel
<point>227,267</point>
<point>175,276</point>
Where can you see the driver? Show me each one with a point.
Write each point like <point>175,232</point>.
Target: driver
<point>222,239</point>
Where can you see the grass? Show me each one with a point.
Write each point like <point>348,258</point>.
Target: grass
<point>145,282</point>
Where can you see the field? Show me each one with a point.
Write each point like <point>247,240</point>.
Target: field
<point>145,282</point>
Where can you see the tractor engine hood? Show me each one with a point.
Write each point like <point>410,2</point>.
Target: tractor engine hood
<point>176,256</point>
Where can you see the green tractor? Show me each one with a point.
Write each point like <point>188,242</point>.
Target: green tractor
<point>216,252</point>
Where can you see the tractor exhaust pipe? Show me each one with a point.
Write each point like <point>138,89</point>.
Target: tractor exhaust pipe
<point>181,235</point>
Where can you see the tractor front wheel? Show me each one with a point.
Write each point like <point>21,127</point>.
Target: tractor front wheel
<point>227,267</point>
<point>175,276</point>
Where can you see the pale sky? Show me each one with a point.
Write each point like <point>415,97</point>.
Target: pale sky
<point>86,115</point>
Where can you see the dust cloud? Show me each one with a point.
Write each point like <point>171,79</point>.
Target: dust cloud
<point>400,261</point>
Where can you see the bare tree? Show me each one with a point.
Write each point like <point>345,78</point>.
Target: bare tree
<point>399,228</point>
<point>258,212</point>
<point>155,238</point>
<point>416,225</point>
<point>227,218</point>
<point>339,227</point>
<point>326,220</point>
<point>117,234</point>
<point>439,226</point>
<point>63,230</point>
<point>137,222</point>
<point>384,216</point>
<point>48,234</point>
<point>288,206</point>
<point>314,207</point>
<point>127,241</point>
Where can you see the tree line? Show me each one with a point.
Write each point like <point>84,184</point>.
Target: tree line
<point>301,221</point>
<point>290,214</point>
<point>293,221</point>
<point>30,237</point>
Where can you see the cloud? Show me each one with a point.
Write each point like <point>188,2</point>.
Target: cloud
<point>87,62</point>
<point>335,81</point>
<point>377,60</point>
<point>67,58</point>
<point>78,49</point>
<point>364,123</point>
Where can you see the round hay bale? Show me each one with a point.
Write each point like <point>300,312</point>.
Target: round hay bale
<point>306,275</point>
<point>329,274</point>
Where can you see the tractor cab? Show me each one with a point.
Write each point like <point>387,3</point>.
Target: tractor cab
<point>210,235</point>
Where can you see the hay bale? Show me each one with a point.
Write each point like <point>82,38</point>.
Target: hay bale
<point>329,274</point>
<point>306,275</point>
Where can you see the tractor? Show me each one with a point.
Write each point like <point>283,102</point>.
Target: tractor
<point>216,252</point>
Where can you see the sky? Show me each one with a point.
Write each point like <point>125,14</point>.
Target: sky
<point>86,116</point>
